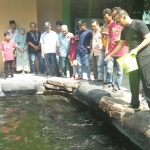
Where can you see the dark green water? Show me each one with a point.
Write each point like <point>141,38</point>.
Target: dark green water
<point>54,123</point>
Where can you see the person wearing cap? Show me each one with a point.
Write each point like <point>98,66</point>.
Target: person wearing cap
<point>50,48</point>
<point>83,49</point>
<point>64,41</point>
<point>34,49</point>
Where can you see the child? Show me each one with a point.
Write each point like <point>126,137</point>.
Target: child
<point>7,46</point>
<point>72,54</point>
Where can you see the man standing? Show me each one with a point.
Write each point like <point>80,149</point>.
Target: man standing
<point>96,49</point>
<point>137,35</point>
<point>64,41</point>
<point>83,49</point>
<point>50,48</point>
<point>58,27</point>
<point>13,31</point>
<point>113,40</point>
<point>34,49</point>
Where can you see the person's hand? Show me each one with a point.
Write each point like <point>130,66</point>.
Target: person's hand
<point>88,47</point>
<point>134,51</point>
<point>72,41</point>
<point>42,54</point>
<point>36,48</point>
<point>57,53</point>
<point>21,51</point>
<point>107,58</point>
<point>117,41</point>
<point>3,59</point>
<point>106,52</point>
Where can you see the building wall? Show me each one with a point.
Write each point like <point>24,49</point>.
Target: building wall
<point>49,10</point>
<point>22,11</point>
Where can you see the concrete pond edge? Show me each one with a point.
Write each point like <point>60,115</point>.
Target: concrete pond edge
<point>133,123</point>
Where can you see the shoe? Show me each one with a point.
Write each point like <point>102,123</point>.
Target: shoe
<point>12,76</point>
<point>130,106</point>
<point>79,78</point>
<point>115,89</point>
<point>64,76</point>
<point>73,77</point>
<point>105,86</point>
<point>48,76</point>
<point>89,79</point>
<point>34,74</point>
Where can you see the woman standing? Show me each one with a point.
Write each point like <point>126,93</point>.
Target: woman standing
<point>22,62</point>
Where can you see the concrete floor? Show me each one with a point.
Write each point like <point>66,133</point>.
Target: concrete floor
<point>124,86</point>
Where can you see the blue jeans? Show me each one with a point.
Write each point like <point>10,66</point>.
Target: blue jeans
<point>41,62</point>
<point>119,75</point>
<point>101,65</point>
<point>87,64</point>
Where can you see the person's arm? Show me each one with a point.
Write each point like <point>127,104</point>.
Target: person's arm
<point>42,50</point>
<point>30,43</point>
<point>116,50</point>
<point>58,44</point>
<point>42,46</point>
<point>145,42</point>
<point>144,31</point>
<point>3,56</point>
<point>108,42</point>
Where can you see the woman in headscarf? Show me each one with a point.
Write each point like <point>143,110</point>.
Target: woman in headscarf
<point>22,58</point>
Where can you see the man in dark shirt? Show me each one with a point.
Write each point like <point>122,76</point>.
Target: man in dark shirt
<point>33,38</point>
<point>83,49</point>
<point>137,35</point>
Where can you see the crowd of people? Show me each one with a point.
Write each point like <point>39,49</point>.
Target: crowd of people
<point>104,44</point>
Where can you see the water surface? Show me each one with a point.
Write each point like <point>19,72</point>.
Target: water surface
<point>54,123</point>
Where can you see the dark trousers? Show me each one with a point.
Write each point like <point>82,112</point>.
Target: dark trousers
<point>11,63</point>
<point>64,61</point>
<point>143,74</point>
<point>52,57</point>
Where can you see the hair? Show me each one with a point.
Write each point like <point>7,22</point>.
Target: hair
<point>12,22</point>
<point>33,23</point>
<point>6,33</point>
<point>81,23</point>
<point>116,8</point>
<point>59,23</point>
<point>94,20</point>
<point>107,11</point>
<point>122,12</point>
<point>64,27</point>
<point>101,24</point>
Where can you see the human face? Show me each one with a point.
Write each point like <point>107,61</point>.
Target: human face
<point>94,26</point>
<point>107,18</point>
<point>58,28</point>
<point>21,31</point>
<point>13,26</point>
<point>48,29</point>
<point>121,20</point>
<point>64,31</point>
<point>113,14</point>
<point>7,37</point>
<point>33,27</point>
<point>82,27</point>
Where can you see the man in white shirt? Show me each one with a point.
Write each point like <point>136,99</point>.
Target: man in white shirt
<point>13,31</point>
<point>13,34</point>
<point>50,48</point>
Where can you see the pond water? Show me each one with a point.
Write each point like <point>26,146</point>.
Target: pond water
<point>54,123</point>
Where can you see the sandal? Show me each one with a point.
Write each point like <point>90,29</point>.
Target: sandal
<point>105,86</point>
<point>115,89</point>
